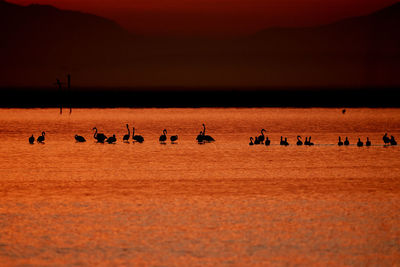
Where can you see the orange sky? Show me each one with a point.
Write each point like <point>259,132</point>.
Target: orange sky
<point>217,17</point>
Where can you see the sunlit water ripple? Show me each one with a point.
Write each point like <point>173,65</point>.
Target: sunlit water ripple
<point>222,203</point>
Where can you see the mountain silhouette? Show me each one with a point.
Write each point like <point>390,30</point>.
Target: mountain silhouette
<point>41,42</point>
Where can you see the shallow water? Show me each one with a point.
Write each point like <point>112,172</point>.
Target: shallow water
<point>223,203</point>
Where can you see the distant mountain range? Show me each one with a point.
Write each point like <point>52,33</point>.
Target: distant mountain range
<point>40,43</point>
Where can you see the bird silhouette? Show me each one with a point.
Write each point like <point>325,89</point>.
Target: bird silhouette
<point>256,141</point>
<point>206,138</point>
<point>199,137</point>
<point>386,139</point>
<point>309,141</point>
<point>267,141</point>
<point>100,137</point>
<point>346,142</point>
<point>299,142</point>
<point>251,141</point>
<point>173,138</point>
<point>137,138</point>
<point>40,139</point>
<point>360,143</point>
<point>31,139</point>
<point>392,141</point>
<point>111,139</point>
<point>261,137</point>
<point>282,143</point>
<point>368,143</point>
<point>163,137</point>
<point>340,143</point>
<point>126,137</point>
<point>80,139</point>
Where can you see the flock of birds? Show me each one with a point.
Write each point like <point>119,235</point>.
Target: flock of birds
<point>262,139</point>
<point>102,138</point>
<point>203,138</point>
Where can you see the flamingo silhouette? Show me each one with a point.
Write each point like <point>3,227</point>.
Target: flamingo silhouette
<point>309,141</point>
<point>282,143</point>
<point>251,141</point>
<point>359,143</point>
<point>299,142</point>
<point>267,141</point>
<point>261,137</point>
<point>368,143</point>
<point>206,138</point>
<point>386,139</point>
<point>80,139</point>
<point>137,138</point>
<point>163,137</point>
<point>126,137</point>
<point>286,143</point>
<point>346,142</point>
<point>392,141</point>
<point>31,139</point>
<point>111,139</point>
<point>173,138</point>
<point>340,143</point>
<point>100,137</point>
<point>40,139</point>
<point>199,137</point>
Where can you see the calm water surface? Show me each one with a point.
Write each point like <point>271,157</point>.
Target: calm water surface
<point>223,203</point>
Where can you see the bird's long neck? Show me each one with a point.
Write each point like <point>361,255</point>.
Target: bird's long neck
<point>95,132</point>
<point>127,127</point>
<point>204,129</point>
<point>133,131</point>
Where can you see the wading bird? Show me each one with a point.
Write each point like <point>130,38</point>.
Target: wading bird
<point>163,137</point>
<point>299,142</point>
<point>340,143</point>
<point>80,139</point>
<point>261,137</point>
<point>126,137</point>
<point>40,139</point>
<point>368,143</point>
<point>137,138</point>
<point>111,139</point>
<point>100,137</point>
<point>31,139</point>
<point>359,143</point>
<point>346,142</point>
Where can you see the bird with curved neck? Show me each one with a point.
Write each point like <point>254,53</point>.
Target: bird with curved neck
<point>163,137</point>
<point>100,137</point>
<point>261,137</point>
<point>206,138</point>
<point>128,135</point>
<point>299,142</point>
<point>40,139</point>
